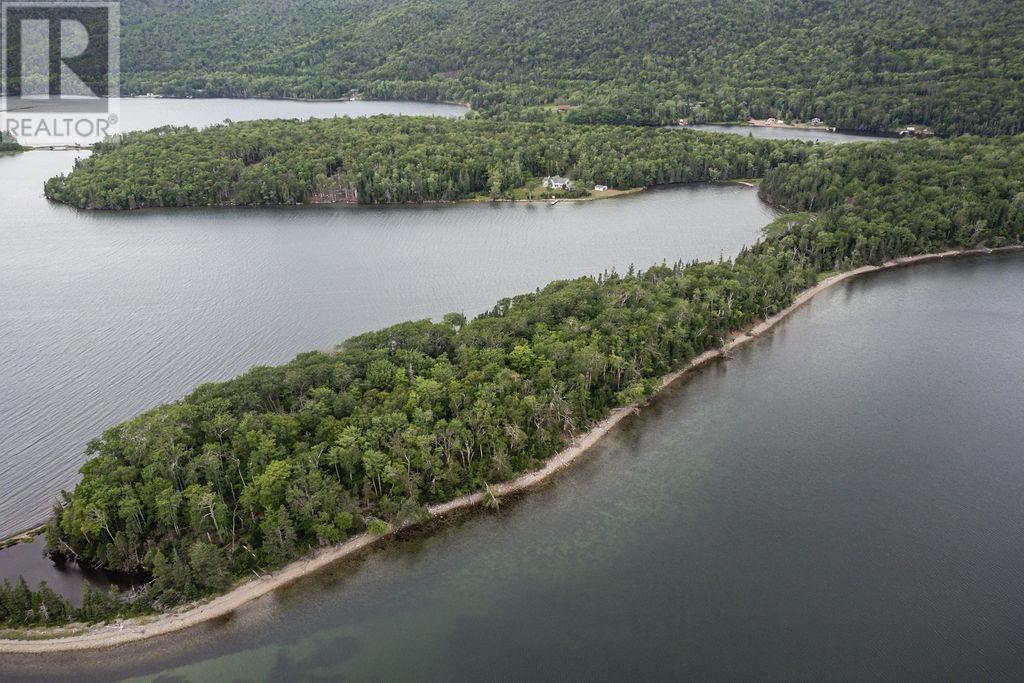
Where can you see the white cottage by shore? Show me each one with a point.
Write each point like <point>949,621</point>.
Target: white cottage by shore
<point>557,182</point>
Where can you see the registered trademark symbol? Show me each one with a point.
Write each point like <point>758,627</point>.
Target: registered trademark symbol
<point>112,118</point>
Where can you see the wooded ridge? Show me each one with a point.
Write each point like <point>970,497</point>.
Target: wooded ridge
<point>956,66</point>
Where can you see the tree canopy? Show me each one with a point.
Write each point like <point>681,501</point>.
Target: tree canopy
<point>880,200</point>
<point>385,160</point>
<point>860,64</point>
<point>241,476</point>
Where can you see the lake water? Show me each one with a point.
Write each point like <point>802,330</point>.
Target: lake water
<point>140,113</point>
<point>841,500</point>
<point>806,134</point>
<point>104,315</point>
<point>145,113</point>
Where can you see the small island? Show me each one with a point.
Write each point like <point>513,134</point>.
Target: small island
<point>397,160</point>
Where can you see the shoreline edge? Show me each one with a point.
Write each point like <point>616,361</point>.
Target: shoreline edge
<point>127,631</point>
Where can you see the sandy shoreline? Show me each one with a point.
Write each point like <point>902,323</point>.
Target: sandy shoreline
<point>131,630</point>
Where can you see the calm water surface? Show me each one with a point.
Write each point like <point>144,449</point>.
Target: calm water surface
<point>145,113</point>
<point>104,315</point>
<point>789,133</point>
<point>842,499</point>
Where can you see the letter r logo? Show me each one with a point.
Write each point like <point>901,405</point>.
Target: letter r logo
<point>60,56</point>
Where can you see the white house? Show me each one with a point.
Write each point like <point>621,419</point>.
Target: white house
<point>557,182</point>
<point>600,188</point>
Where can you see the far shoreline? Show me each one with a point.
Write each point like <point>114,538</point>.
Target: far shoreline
<point>127,631</point>
<point>609,194</point>
<point>825,131</point>
<point>287,98</point>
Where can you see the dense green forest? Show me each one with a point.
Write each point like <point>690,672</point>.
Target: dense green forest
<point>384,160</point>
<point>241,476</point>
<point>862,64</point>
<point>881,200</point>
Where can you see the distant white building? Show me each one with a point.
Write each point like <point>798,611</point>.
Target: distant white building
<point>914,131</point>
<point>816,121</point>
<point>600,188</point>
<point>557,182</point>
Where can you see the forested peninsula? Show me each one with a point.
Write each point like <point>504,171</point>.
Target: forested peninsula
<point>388,160</point>
<point>240,477</point>
<point>871,65</point>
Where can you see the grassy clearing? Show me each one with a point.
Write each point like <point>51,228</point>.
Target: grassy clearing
<point>43,633</point>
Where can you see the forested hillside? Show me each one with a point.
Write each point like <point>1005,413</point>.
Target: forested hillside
<point>861,64</point>
<point>242,476</point>
<point>386,160</point>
